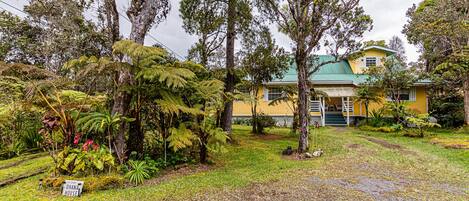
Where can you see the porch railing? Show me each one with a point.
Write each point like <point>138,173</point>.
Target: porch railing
<point>315,106</point>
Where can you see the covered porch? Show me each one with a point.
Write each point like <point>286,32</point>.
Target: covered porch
<point>336,108</point>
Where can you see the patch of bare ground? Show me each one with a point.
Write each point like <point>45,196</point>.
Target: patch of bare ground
<point>353,146</point>
<point>389,145</point>
<point>177,172</point>
<point>384,143</point>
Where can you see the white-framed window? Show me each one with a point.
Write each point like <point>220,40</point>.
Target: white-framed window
<point>274,93</point>
<point>406,95</point>
<point>371,61</point>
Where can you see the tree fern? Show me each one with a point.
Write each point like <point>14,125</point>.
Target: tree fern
<point>180,137</point>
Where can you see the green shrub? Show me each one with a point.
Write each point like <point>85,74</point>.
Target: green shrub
<point>139,171</point>
<point>264,121</point>
<point>73,161</point>
<point>421,123</point>
<point>243,121</point>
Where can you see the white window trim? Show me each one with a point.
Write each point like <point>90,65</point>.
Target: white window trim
<point>266,94</point>
<point>412,95</point>
<point>375,58</point>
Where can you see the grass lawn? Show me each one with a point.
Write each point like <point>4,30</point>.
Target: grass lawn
<point>356,165</point>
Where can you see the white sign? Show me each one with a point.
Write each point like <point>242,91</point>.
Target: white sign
<point>72,188</point>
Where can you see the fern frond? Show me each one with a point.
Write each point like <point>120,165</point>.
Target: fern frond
<point>180,137</point>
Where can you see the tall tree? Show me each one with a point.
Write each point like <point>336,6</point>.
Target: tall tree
<point>439,28</point>
<point>207,20</point>
<point>19,40</point>
<point>143,14</point>
<point>262,62</point>
<point>312,24</point>
<point>216,22</point>
<point>238,17</point>
<point>111,18</point>
<point>395,43</point>
<point>67,33</point>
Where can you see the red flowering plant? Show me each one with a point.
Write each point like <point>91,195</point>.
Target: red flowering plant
<point>90,143</point>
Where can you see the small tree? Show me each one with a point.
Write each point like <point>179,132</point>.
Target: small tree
<point>366,94</point>
<point>422,123</point>
<point>392,77</point>
<point>262,63</point>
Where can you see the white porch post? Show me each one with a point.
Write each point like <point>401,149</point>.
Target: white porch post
<point>348,111</point>
<point>323,108</point>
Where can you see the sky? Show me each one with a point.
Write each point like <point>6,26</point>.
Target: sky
<point>388,20</point>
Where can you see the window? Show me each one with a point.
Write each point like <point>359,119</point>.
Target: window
<point>370,61</point>
<point>405,95</point>
<point>274,93</point>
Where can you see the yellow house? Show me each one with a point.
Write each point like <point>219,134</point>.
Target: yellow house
<point>339,80</point>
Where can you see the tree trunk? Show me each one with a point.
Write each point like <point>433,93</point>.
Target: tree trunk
<point>366,111</point>
<point>136,136</point>
<point>294,127</point>
<point>142,16</point>
<point>121,106</point>
<point>122,98</point>
<point>255,127</point>
<point>203,150</point>
<point>255,123</point>
<point>227,114</point>
<point>112,20</point>
<point>303,94</point>
<point>466,101</point>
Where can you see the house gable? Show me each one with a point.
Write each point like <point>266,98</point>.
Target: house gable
<point>376,53</point>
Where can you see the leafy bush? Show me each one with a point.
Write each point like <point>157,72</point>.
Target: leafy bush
<point>31,139</point>
<point>264,121</point>
<point>448,109</point>
<point>139,171</point>
<point>378,118</point>
<point>72,161</point>
<point>421,122</point>
<point>243,121</point>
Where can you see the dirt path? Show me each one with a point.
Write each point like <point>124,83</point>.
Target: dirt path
<point>366,172</point>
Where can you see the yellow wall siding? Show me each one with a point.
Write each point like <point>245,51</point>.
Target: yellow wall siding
<point>241,108</point>
<point>285,109</point>
<point>419,105</point>
<point>356,64</point>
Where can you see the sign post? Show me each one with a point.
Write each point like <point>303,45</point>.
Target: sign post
<point>72,188</point>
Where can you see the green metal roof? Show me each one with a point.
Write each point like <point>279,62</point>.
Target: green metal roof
<point>332,73</point>
<point>336,72</point>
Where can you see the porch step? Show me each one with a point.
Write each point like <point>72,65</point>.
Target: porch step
<point>335,119</point>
